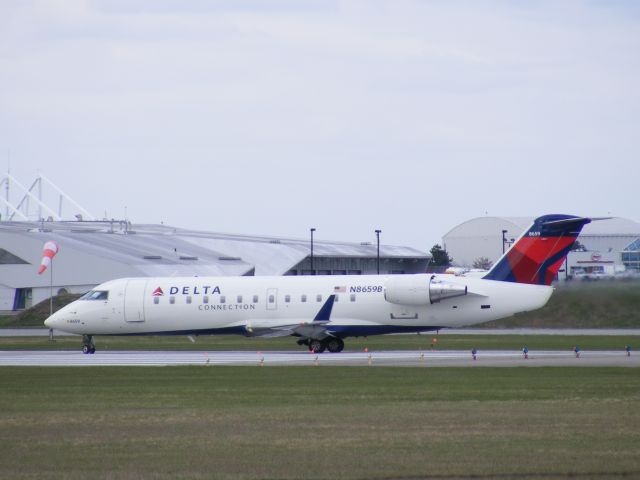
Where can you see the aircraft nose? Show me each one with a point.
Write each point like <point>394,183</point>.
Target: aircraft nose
<point>51,322</point>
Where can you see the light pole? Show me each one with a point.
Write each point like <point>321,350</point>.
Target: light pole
<point>378,241</point>
<point>312,230</point>
<point>504,240</point>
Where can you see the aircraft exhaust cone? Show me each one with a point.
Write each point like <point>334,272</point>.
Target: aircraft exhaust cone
<point>441,290</point>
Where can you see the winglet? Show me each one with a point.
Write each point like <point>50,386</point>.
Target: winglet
<point>324,314</point>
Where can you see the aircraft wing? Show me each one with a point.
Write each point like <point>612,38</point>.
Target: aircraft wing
<point>274,332</point>
<point>275,327</point>
<point>299,329</point>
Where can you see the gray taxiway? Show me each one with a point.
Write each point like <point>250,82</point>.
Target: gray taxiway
<point>488,358</point>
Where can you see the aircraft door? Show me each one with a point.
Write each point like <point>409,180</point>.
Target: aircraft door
<point>272,298</point>
<point>134,300</point>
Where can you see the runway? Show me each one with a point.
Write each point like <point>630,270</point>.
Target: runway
<point>489,358</point>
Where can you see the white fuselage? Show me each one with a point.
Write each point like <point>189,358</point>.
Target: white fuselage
<point>277,305</point>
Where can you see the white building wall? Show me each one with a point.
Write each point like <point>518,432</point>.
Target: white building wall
<point>71,266</point>
<point>7,295</point>
<point>73,269</point>
<point>585,262</point>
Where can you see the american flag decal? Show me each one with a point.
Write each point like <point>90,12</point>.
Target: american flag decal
<point>339,289</point>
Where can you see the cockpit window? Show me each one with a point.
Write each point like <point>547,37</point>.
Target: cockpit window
<point>95,295</point>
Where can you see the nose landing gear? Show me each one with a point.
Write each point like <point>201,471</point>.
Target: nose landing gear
<point>87,344</point>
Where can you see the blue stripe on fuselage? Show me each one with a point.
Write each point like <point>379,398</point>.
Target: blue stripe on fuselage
<point>342,331</point>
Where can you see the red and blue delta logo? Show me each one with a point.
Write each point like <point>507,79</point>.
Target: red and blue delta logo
<point>158,292</point>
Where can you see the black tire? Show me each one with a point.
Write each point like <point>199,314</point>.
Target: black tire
<point>335,345</point>
<point>86,349</point>
<point>92,350</point>
<point>317,346</point>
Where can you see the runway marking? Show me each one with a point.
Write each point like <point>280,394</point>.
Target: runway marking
<point>493,358</point>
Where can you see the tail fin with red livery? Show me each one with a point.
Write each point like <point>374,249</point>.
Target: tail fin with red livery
<point>537,255</point>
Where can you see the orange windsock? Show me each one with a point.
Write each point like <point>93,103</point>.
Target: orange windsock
<point>50,250</point>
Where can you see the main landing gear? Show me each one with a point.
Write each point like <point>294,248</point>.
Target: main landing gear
<point>333,344</point>
<point>87,344</point>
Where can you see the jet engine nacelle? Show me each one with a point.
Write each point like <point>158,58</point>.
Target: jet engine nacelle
<point>413,290</point>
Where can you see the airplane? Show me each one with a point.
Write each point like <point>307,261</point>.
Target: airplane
<point>321,311</point>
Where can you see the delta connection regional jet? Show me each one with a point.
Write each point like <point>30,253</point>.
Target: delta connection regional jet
<point>321,311</point>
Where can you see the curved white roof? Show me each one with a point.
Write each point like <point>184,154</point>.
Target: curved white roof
<point>479,226</point>
<point>122,249</point>
<point>613,226</point>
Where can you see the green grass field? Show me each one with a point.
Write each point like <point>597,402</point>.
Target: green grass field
<point>297,422</point>
<point>381,342</point>
<point>599,304</point>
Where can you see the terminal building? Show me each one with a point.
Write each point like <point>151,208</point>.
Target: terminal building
<point>92,252</point>
<point>610,247</point>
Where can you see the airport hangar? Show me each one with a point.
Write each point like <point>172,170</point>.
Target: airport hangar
<point>92,252</point>
<point>612,246</point>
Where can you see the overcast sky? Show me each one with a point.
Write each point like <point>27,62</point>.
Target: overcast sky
<point>270,117</point>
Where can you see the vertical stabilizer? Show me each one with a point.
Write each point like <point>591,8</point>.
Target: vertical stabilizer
<point>537,255</point>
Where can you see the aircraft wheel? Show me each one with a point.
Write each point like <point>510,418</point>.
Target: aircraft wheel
<point>317,346</point>
<point>335,345</point>
<point>87,344</point>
